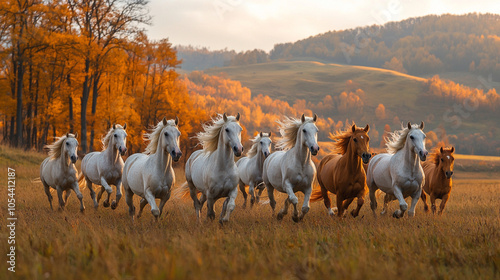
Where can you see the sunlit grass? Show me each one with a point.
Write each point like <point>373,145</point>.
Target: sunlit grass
<point>464,243</point>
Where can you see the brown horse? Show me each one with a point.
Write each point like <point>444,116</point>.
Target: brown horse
<point>438,172</point>
<point>344,174</point>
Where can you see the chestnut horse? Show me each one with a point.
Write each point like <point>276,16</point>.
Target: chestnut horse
<point>438,172</point>
<point>344,174</point>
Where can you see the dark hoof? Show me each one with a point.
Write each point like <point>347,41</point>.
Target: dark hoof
<point>395,215</point>
<point>105,204</point>
<point>279,216</point>
<point>114,205</point>
<point>295,219</point>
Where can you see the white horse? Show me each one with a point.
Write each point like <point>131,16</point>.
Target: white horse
<point>292,170</point>
<point>212,171</point>
<point>399,173</point>
<point>250,167</point>
<point>105,168</point>
<point>58,170</point>
<point>150,175</point>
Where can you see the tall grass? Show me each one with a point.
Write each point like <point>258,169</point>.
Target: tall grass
<point>464,243</point>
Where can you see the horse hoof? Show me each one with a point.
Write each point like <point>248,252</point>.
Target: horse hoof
<point>155,213</point>
<point>105,204</point>
<point>396,215</point>
<point>279,216</point>
<point>114,205</point>
<point>353,214</point>
<point>296,219</point>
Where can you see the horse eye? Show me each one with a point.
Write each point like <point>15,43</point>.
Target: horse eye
<point>355,140</point>
<point>115,135</point>
<point>67,144</point>
<point>411,137</point>
<point>227,130</point>
<point>166,134</point>
<point>261,142</point>
<point>303,130</point>
<point>442,159</point>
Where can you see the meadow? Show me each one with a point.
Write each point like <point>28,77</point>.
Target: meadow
<point>463,243</point>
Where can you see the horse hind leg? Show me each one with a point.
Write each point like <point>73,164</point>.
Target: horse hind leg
<point>129,195</point>
<point>66,196</point>
<point>60,197</point>
<point>76,189</point>
<point>387,199</point>
<point>164,200</point>
<point>251,190</point>
<point>270,194</point>
<point>327,201</point>
<point>373,199</point>
<point>259,193</point>
<point>90,186</point>
<point>194,196</point>
<point>244,193</point>
<point>47,192</point>
<point>229,205</point>
<point>423,196</point>
<point>114,204</point>
<point>142,204</point>
<point>108,189</point>
<point>360,202</point>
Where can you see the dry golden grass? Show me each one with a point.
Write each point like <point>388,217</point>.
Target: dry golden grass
<point>464,243</point>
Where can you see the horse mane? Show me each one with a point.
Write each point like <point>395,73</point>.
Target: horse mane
<point>289,130</point>
<point>396,140</point>
<point>209,138</point>
<point>253,150</point>
<point>56,147</point>
<point>341,139</point>
<point>105,140</point>
<point>154,136</point>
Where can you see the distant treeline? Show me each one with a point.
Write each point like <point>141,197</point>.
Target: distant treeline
<point>417,46</point>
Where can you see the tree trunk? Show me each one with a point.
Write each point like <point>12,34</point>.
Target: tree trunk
<point>84,99</point>
<point>71,118</point>
<point>95,94</point>
<point>19,109</point>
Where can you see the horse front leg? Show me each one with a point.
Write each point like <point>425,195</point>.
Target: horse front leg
<point>164,200</point>
<point>229,205</point>
<point>251,190</point>
<point>424,199</point>
<point>387,198</point>
<point>142,204</point>
<point>403,206</point>
<point>76,189</point>
<point>283,211</point>
<point>305,205</point>
<point>118,185</point>
<point>433,203</point>
<point>293,199</point>
<point>108,189</point>
<point>259,193</point>
<point>66,197</point>
<point>414,200</point>
<point>444,199</point>
<point>373,200</point>
<point>148,195</point>
<point>210,206</point>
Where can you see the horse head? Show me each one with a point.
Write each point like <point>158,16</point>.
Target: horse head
<point>231,134</point>
<point>120,138</point>
<point>446,161</point>
<point>265,144</point>
<point>309,134</point>
<point>361,142</point>
<point>70,147</point>
<point>170,135</point>
<point>416,138</point>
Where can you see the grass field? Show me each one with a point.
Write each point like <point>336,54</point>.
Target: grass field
<point>464,243</point>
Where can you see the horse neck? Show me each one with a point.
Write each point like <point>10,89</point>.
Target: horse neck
<point>259,160</point>
<point>225,156</point>
<point>301,152</point>
<point>351,160</point>
<point>410,158</point>
<point>64,161</point>
<point>111,151</point>
<point>162,158</point>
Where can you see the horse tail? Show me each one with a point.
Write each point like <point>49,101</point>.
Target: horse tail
<point>182,192</point>
<point>316,194</point>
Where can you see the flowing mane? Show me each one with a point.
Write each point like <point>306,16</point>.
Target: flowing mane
<point>253,150</point>
<point>105,140</point>
<point>154,136</point>
<point>289,129</point>
<point>396,140</point>
<point>209,138</point>
<point>341,139</point>
<point>56,147</point>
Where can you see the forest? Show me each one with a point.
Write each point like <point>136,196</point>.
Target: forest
<point>81,66</point>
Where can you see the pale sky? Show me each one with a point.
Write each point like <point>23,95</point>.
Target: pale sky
<point>249,24</point>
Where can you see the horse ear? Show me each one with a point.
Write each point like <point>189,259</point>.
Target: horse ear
<point>354,128</point>
<point>441,150</point>
<point>315,118</point>
<point>422,125</point>
<point>303,118</point>
<point>238,117</point>
<point>125,126</point>
<point>176,120</point>
<point>67,135</point>
<point>164,120</point>
<point>114,126</point>
<point>409,125</point>
<point>224,117</point>
<point>452,150</point>
<point>367,128</point>
<point>261,134</point>
<point>270,134</point>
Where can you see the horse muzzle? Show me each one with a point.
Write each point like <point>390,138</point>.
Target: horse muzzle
<point>73,158</point>
<point>176,155</point>
<point>423,155</point>
<point>448,174</point>
<point>238,151</point>
<point>266,154</point>
<point>314,150</point>
<point>366,157</point>
<point>122,150</point>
